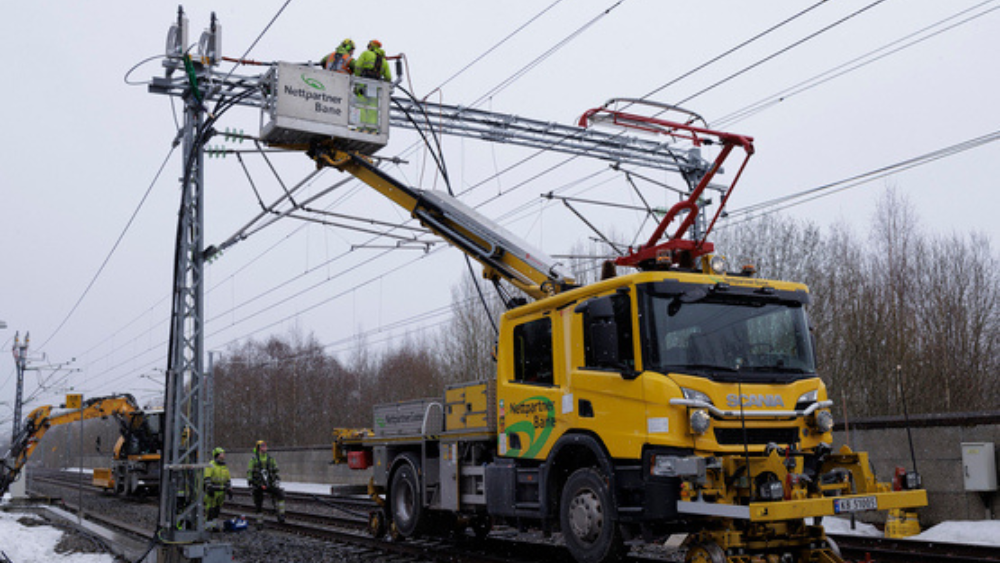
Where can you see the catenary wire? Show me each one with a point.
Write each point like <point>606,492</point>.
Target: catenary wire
<point>781,51</point>
<point>491,49</point>
<point>845,68</point>
<point>810,194</point>
<point>545,55</point>
<point>732,50</point>
<point>111,253</point>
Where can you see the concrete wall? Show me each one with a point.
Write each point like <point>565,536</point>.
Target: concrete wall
<point>302,464</point>
<point>937,443</point>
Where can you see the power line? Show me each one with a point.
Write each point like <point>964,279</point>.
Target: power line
<point>257,40</point>
<point>539,59</point>
<point>845,68</point>
<point>733,49</point>
<point>781,51</point>
<point>493,48</point>
<point>783,202</point>
<point>112,251</point>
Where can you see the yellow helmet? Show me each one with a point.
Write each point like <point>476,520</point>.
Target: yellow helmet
<point>347,44</point>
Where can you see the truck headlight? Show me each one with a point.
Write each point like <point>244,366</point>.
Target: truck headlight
<point>806,399</point>
<point>699,421</point>
<point>692,395</point>
<point>718,265</point>
<point>771,490</point>
<point>823,421</point>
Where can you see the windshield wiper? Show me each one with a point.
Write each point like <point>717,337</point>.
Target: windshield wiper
<point>707,367</point>
<point>778,369</point>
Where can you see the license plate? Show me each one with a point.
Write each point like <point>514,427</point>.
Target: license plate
<point>856,504</point>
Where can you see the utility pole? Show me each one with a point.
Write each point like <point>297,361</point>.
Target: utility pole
<point>20,363</point>
<point>185,449</point>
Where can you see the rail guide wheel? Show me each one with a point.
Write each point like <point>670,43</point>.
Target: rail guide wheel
<point>706,552</point>
<point>377,523</point>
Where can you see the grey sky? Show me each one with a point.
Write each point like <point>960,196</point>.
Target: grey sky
<point>82,147</point>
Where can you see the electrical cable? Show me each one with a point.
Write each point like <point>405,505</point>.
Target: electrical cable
<point>439,159</point>
<point>491,49</point>
<point>137,65</point>
<point>546,54</point>
<point>111,253</point>
<point>732,50</point>
<point>259,37</point>
<point>780,52</point>
<point>776,204</point>
<point>845,68</point>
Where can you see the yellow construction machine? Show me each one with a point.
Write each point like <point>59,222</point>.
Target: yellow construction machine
<point>140,434</point>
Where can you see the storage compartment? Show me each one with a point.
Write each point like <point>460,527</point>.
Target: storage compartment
<point>471,406</point>
<point>407,418</point>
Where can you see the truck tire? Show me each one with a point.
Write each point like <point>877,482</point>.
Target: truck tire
<point>709,552</point>
<point>586,517</point>
<point>407,510</point>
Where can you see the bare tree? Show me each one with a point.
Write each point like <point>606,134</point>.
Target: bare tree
<point>467,342</point>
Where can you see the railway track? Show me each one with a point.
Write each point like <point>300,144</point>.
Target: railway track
<point>888,550</point>
<point>339,528</point>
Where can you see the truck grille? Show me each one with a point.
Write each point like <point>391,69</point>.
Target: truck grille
<point>734,436</point>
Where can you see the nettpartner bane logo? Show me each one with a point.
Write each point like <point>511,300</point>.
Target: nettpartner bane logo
<point>313,83</point>
<point>540,417</point>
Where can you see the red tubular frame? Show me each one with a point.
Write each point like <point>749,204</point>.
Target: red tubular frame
<point>698,136</point>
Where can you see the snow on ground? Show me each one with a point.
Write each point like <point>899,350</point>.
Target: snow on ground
<point>36,544</point>
<point>843,526</point>
<point>308,488</point>
<point>980,532</point>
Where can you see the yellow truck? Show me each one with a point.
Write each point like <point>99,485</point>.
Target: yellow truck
<point>679,398</point>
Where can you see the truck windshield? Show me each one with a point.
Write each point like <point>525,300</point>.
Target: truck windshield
<point>727,336</point>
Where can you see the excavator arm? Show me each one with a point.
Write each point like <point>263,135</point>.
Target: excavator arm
<point>41,419</point>
<point>503,254</point>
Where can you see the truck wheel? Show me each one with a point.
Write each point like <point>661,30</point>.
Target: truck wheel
<point>705,553</point>
<point>585,516</point>
<point>377,523</point>
<point>833,547</point>
<point>481,526</point>
<point>407,512</point>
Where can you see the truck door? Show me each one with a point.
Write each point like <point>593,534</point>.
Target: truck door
<point>529,390</point>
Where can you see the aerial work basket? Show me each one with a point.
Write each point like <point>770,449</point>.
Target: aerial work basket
<point>304,105</point>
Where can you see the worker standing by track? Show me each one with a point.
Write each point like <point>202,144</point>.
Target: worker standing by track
<point>218,485</point>
<point>263,477</point>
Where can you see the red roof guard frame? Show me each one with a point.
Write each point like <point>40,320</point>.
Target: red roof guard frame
<point>675,247</point>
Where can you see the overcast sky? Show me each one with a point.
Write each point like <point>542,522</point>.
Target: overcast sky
<point>82,147</point>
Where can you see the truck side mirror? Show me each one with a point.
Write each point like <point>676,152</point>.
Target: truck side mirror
<point>602,335</point>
